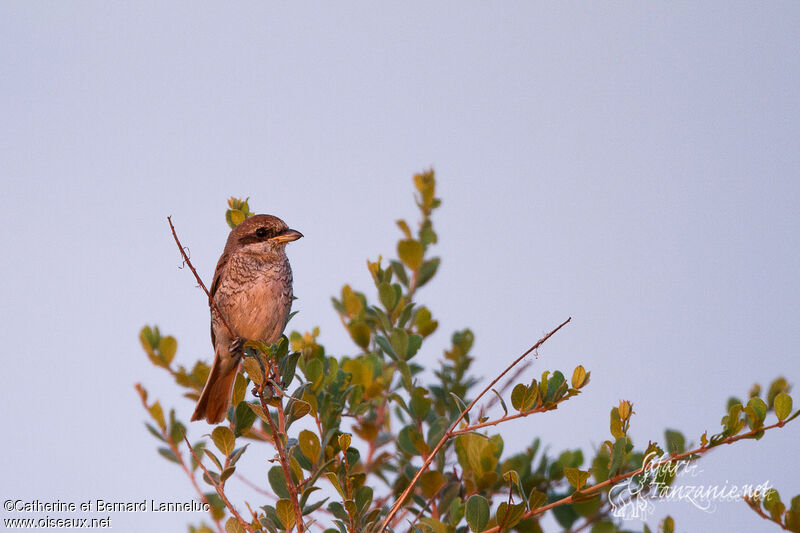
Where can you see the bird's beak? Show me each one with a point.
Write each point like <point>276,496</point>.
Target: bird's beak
<point>287,235</point>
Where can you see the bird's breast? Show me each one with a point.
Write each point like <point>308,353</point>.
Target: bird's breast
<point>256,298</point>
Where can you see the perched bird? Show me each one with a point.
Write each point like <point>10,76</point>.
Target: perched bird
<point>253,289</point>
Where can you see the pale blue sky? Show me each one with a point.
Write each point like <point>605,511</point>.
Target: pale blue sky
<point>632,165</point>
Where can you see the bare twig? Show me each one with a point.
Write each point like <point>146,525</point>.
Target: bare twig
<point>506,418</point>
<point>449,433</point>
<point>517,373</point>
<point>200,281</point>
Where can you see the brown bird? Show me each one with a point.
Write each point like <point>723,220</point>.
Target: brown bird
<point>253,288</point>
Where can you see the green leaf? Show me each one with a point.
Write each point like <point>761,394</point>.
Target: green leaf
<point>296,410</point>
<point>502,402</point>
<point>783,405</point>
<point>400,272</point>
<point>618,454</point>
<point>387,295</point>
<point>223,439</point>
<point>169,455</point>
<point>383,342</point>
<point>414,343</point>
<point>536,499</point>
<point>155,432</point>
<point>433,525</point>
<point>228,472</point>
<point>238,453</point>
<point>518,396</point>
<point>509,516</point>
<point>477,513</point>
<point>410,441</point>
<point>457,510</point>
<point>410,252</point>
<point>259,411</point>
<point>278,481</point>
<point>399,340</point>
<point>419,404</point>
<point>213,457</point>
<point>428,270</point>
<point>676,442</point>
<point>462,407</point>
<point>360,333</point>
<point>760,409</point>
<point>243,417</point>
<point>605,526</point>
<point>335,482</point>
<point>363,498</point>
<point>288,365</point>
<point>524,398</point>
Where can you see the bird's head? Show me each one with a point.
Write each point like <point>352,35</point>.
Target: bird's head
<point>261,234</point>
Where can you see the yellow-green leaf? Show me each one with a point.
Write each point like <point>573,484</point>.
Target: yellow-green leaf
<point>234,526</point>
<point>536,499</point>
<point>309,445</point>
<point>223,439</point>
<point>430,483</point>
<point>236,217</point>
<point>579,377</point>
<point>285,513</point>
<point>167,347</point>
<point>335,482</point>
<point>783,405</point>
<point>158,415</point>
<point>410,252</point>
<point>344,441</point>
<point>253,370</point>
<point>577,478</point>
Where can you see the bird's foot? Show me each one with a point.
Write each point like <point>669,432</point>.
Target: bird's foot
<point>236,345</point>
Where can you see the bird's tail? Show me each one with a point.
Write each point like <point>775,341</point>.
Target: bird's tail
<point>216,396</point>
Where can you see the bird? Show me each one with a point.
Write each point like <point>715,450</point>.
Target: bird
<point>252,287</point>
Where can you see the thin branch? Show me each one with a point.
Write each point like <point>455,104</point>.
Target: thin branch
<point>219,490</point>
<point>174,447</point>
<point>506,418</point>
<point>429,503</point>
<point>257,488</point>
<point>594,488</point>
<point>278,443</point>
<point>755,506</point>
<point>200,281</point>
<point>522,368</point>
<point>590,521</point>
<point>404,496</point>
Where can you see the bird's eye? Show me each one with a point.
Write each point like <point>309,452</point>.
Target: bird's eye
<point>261,232</point>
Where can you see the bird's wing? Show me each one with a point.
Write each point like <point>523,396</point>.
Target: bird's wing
<point>221,264</point>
